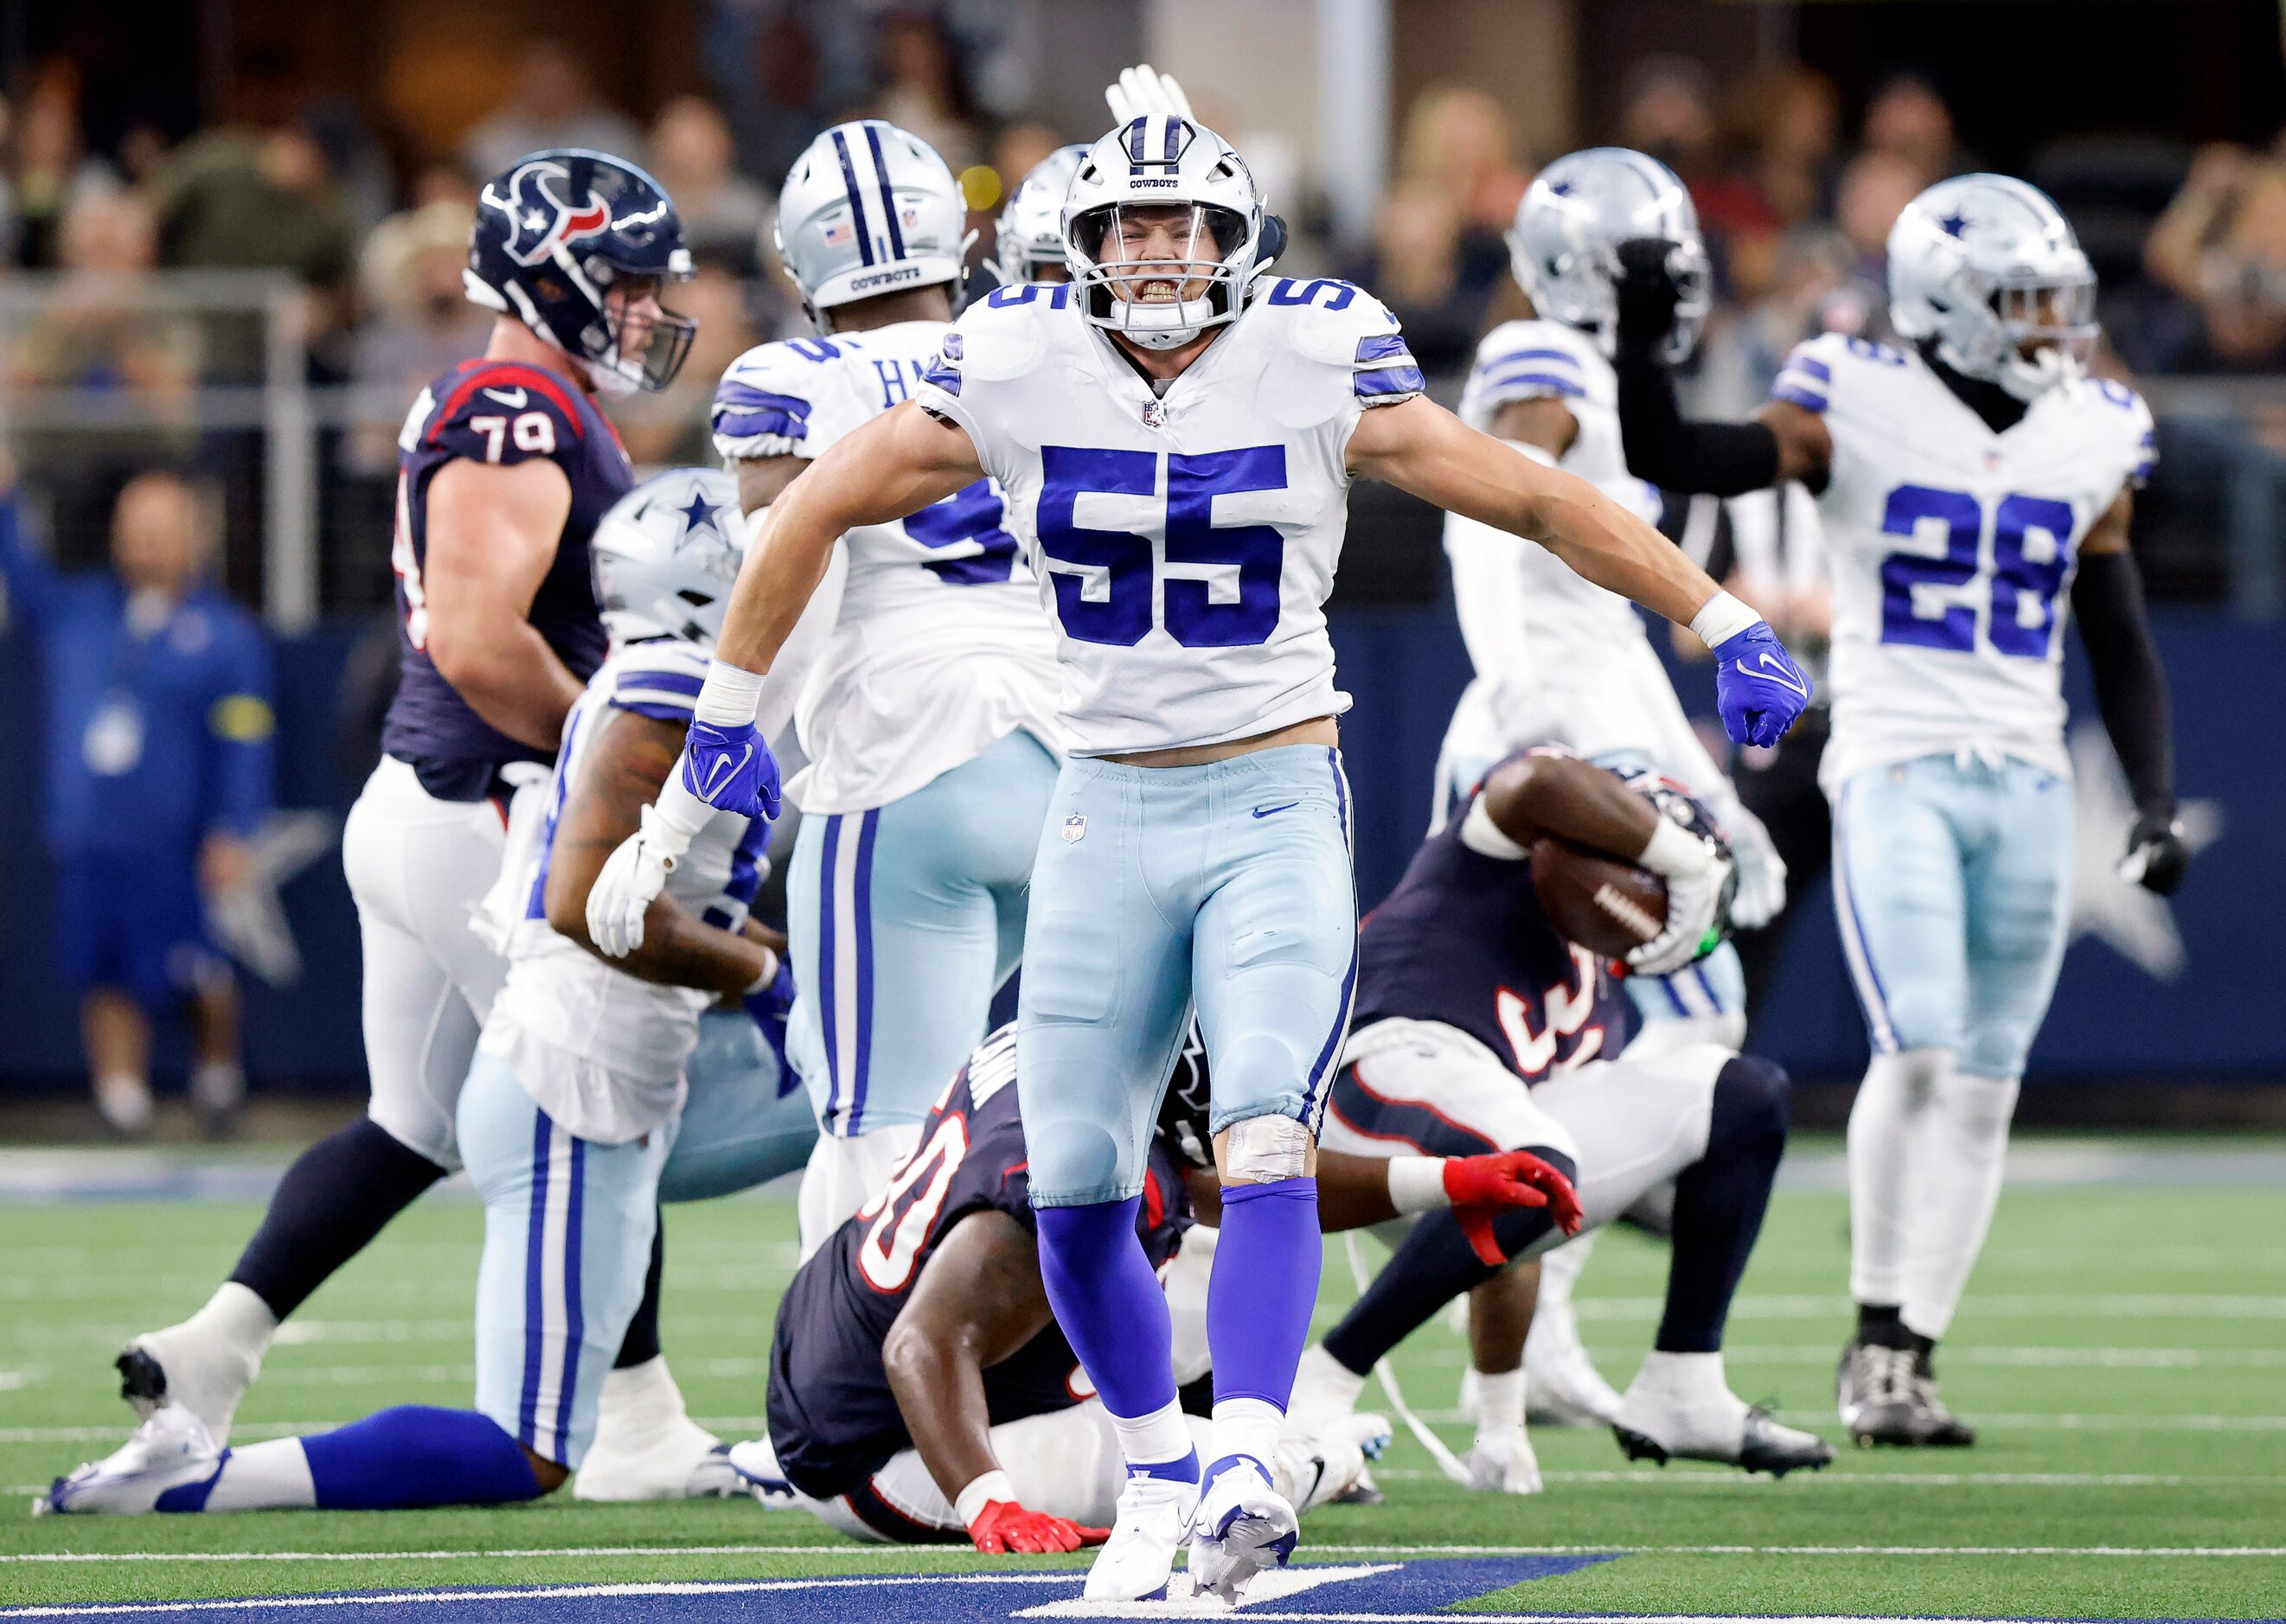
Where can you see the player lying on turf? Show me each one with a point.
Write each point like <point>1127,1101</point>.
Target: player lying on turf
<point>1973,486</point>
<point>1171,410</point>
<point>572,1105</point>
<point>921,1391</point>
<point>1479,1027</point>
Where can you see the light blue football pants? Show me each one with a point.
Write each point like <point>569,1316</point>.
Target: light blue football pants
<point>568,1227</point>
<point>743,1122</point>
<point>1228,887</point>
<point>1952,881</point>
<point>904,921</point>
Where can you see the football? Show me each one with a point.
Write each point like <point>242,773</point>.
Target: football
<point>1604,904</point>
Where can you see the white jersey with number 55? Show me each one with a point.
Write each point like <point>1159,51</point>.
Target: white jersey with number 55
<point>1952,550</point>
<point>1185,541</point>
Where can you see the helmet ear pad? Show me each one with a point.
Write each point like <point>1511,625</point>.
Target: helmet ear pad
<point>1273,243</point>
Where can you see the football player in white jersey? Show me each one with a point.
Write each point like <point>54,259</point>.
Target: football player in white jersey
<point>1561,660</point>
<point>1967,484</point>
<point>929,715</point>
<point>572,1108</point>
<point>1175,436</point>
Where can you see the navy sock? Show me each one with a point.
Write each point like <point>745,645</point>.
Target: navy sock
<point>1109,1303</point>
<point>338,1194</point>
<point>1434,1264</point>
<point>1719,1202</point>
<point>1263,1286</point>
<point>414,1456</point>
<point>640,1346</point>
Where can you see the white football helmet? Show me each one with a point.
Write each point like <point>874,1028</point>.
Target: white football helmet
<point>1030,230</point>
<point>1988,267</point>
<point>1564,248</point>
<point>1162,161</point>
<point>869,209</point>
<point>667,555</point>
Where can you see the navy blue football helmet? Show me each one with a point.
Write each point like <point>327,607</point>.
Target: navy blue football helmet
<point>556,233</point>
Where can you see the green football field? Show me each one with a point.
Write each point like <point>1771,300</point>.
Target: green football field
<point>2123,1349</point>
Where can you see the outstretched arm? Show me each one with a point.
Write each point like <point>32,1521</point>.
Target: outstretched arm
<point>978,1300</point>
<point>2130,692</point>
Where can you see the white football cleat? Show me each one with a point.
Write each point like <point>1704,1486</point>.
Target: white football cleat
<point>187,1368</point>
<point>1316,1470</point>
<point>1502,1461</point>
<point>1563,1386</point>
<point>647,1446</point>
<point>1244,1526</point>
<point>1680,1407</point>
<point>168,1451</point>
<point>1154,1516</point>
<point>755,1465</point>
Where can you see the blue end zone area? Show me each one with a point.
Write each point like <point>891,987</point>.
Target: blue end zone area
<point>1370,1590</point>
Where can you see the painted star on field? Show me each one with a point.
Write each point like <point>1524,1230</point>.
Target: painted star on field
<point>2138,925</point>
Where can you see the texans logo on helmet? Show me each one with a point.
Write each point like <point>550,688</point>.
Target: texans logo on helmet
<point>540,217</point>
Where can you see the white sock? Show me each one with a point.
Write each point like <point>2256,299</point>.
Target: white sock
<point>1249,1427</point>
<point>1153,1440</point>
<point>638,1404</point>
<point>125,1101</point>
<point>266,1477</point>
<point>238,1318</point>
<point>1885,1138</point>
<point>1329,1383</point>
<point>219,1084</point>
<point>1961,1156</point>
<point>1499,1401</point>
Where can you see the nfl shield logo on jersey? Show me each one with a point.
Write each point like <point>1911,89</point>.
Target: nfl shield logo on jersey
<point>1075,829</point>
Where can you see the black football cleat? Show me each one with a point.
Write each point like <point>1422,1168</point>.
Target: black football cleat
<point>1873,1390</point>
<point>1941,1429</point>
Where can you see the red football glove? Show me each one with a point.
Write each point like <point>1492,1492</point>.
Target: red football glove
<point>1480,1186</point>
<point>1005,1526</point>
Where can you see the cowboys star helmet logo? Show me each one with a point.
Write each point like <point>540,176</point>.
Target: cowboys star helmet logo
<point>540,216</point>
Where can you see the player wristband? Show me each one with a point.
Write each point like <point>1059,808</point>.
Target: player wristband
<point>1416,1184</point>
<point>969,1504</point>
<point>1675,851</point>
<point>1486,838</point>
<point>1719,619</point>
<point>728,697</point>
<point>770,974</point>
<point>674,819</point>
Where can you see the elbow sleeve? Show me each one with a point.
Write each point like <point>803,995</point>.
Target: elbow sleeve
<point>1713,459</point>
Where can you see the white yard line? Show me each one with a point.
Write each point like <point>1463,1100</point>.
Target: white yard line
<point>580,1552</point>
<point>1882,1479</point>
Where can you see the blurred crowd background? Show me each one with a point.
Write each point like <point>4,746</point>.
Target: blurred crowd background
<point>232,231</point>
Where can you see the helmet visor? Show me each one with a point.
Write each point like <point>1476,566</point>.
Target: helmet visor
<point>1158,253</point>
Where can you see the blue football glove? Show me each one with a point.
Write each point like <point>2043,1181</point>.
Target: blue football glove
<point>731,768</point>
<point>770,1008</point>
<point>1758,688</point>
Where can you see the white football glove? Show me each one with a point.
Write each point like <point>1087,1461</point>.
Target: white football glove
<point>1696,873</point>
<point>631,880</point>
<point>1762,872</point>
<point>1142,91</point>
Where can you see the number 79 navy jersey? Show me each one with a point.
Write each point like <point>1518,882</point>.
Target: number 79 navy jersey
<point>1185,541</point>
<point>1952,550</point>
<point>833,1418</point>
<point>498,412</point>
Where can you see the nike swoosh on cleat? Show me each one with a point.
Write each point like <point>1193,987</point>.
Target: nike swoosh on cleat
<point>1266,811</point>
<point>519,398</point>
<point>1784,679</point>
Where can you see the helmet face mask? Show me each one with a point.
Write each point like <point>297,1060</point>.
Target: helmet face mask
<point>1161,229</point>
<point>1564,248</point>
<point>1987,268</point>
<point>554,235</point>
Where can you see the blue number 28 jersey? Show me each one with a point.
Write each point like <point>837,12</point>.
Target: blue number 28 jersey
<point>1952,551</point>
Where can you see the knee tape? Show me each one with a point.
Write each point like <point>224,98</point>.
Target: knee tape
<point>1264,1150</point>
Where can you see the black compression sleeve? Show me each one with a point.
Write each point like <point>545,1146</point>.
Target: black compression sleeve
<point>1716,459</point>
<point>2131,686</point>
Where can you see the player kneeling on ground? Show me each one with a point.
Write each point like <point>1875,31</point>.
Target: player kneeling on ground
<point>576,1096</point>
<point>1480,1028</point>
<point>920,1389</point>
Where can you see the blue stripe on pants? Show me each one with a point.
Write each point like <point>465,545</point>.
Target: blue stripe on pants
<point>861,908</point>
<point>573,1325</point>
<point>1312,1106</point>
<point>535,1312</point>
<point>828,992</point>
